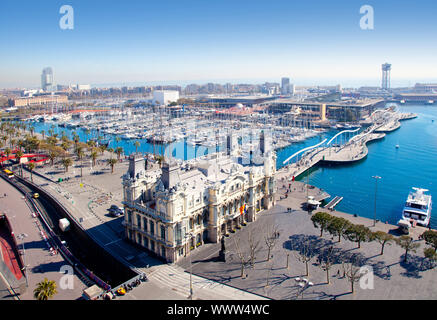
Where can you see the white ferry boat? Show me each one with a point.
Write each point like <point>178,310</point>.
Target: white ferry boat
<point>417,209</point>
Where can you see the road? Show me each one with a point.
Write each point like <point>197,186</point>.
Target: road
<point>40,262</point>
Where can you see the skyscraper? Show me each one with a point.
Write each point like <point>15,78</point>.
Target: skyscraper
<point>47,80</point>
<point>285,85</point>
<point>386,68</point>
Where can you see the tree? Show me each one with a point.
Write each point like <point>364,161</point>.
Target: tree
<point>321,220</point>
<point>137,145</point>
<point>353,273</point>
<point>338,227</point>
<point>327,259</point>
<point>118,151</point>
<point>358,233</point>
<point>102,148</point>
<point>65,145</point>
<point>112,163</point>
<point>94,156</point>
<point>243,259</point>
<point>431,255</point>
<point>253,247</point>
<point>383,238</point>
<point>18,156</point>
<point>430,238</point>
<point>270,237</point>
<point>31,166</point>
<point>407,243</point>
<point>7,152</point>
<point>45,290</point>
<point>66,162</point>
<point>52,156</point>
<point>305,253</point>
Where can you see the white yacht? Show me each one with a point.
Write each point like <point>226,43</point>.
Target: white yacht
<point>418,207</point>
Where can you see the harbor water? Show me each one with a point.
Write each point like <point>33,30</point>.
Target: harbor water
<point>413,164</point>
<point>400,169</point>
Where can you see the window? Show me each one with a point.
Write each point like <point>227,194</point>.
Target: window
<point>162,232</point>
<point>152,228</point>
<point>163,251</point>
<point>145,224</point>
<point>146,242</point>
<point>152,245</point>
<point>139,221</point>
<point>129,217</point>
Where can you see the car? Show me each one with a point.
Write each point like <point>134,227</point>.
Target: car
<point>116,213</point>
<point>113,207</point>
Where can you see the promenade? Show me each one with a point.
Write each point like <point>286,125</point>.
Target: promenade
<point>392,276</point>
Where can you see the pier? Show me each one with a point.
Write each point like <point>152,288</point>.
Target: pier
<point>354,150</point>
<point>331,205</point>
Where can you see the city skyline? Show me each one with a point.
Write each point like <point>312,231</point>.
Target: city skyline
<point>174,43</point>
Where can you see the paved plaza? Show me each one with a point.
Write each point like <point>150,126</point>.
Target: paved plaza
<point>393,279</point>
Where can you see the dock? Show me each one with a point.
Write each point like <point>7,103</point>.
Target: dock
<point>331,205</point>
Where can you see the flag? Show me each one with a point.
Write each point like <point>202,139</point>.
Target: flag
<point>242,209</point>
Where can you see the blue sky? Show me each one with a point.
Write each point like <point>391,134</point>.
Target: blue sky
<point>199,41</point>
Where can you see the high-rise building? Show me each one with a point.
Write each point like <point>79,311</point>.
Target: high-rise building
<point>285,85</point>
<point>47,80</point>
<point>386,68</point>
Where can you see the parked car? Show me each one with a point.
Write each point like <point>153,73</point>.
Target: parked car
<point>116,211</point>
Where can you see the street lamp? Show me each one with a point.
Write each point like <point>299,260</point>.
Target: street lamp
<point>376,188</point>
<point>190,236</point>
<point>21,237</point>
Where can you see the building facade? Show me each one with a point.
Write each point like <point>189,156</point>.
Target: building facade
<point>47,80</point>
<point>40,100</point>
<point>177,208</point>
<point>165,96</point>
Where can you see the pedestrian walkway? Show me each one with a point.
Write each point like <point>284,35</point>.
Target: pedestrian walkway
<point>176,279</point>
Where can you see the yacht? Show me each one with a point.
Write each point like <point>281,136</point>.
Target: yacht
<point>417,209</point>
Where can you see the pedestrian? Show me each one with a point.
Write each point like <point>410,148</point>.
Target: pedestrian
<point>338,273</point>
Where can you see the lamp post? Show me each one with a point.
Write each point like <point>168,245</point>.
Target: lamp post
<point>376,188</point>
<point>190,236</point>
<point>21,237</point>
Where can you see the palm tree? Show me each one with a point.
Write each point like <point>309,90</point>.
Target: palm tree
<point>45,290</point>
<point>119,151</point>
<point>65,145</point>
<point>94,156</point>
<point>79,152</point>
<point>112,163</point>
<point>52,156</point>
<point>31,166</point>
<point>102,148</point>
<point>111,150</point>
<point>137,144</point>
<point>18,156</point>
<point>117,139</point>
<point>8,152</point>
<point>66,162</point>
<point>43,134</point>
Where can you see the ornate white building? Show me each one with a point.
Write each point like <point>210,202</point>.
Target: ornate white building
<point>176,208</point>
